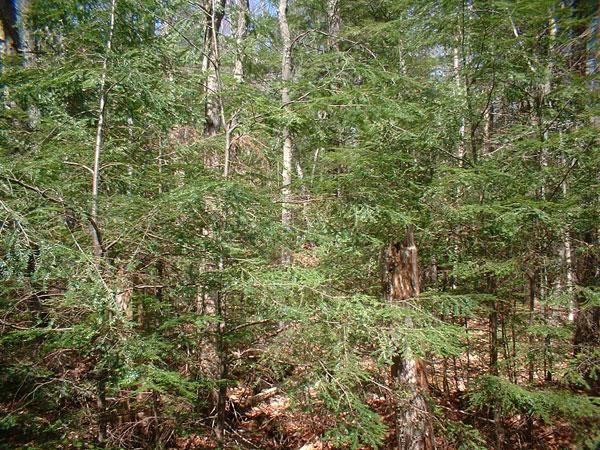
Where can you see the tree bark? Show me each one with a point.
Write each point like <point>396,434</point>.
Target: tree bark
<point>400,283</point>
<point>460,154</point>
<point>334,22</point>
<point>215,360</point>
<point>288,144</point>
<point>214,18</point>
<point>241,31</point>
<point>94,227</point>
<point>533,292</point>
<point>94,224</point>
<point>9,31</point>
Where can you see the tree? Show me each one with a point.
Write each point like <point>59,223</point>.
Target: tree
<point>401,283</point>
<point>288,143</point>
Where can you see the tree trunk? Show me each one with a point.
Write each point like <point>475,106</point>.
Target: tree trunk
<point>213,349</point>
<point>460,154</point>
<point>241,31</point>
<point>214,18</point>
<point>400,283</point>
<point>334,22</point>
<point>286,78</point>
<point>94,226</point>
<point>494,339</point>
<point>9,31</point>
<point>567,258</point>
<point>531,342</point>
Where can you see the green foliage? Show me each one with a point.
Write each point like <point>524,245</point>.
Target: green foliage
<point>583,368</point>
<point>473,122</point>
<point>507,399</point>
<point>464,436</point>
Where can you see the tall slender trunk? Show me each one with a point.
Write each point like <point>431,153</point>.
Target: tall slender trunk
<point>513,340</point>
<point>494,369</point>
<point>26,40</point>
<point>587,322</point>
<point>214,18</point>
<point>544,155</point>
<point>286,78</point>
<point>534,294</point>
<point>400,283</point>
<point>210,301</point>
<point>587,318</point>
<point>493,327</point>
<point>26,49</point>
<point>223,363</point>
<point>532,298</point>
<point>10,41</point>
<point>95,227</point>
<point>488,128</point>
<point>241,30</point>
<point>467,354</point>
<point>333,24</point>
<point>460,154</point>
<point>460,151</point>
<point>94,223</point>
<point>567,261</point>
<point>488,117</point>
<point>494,339</point>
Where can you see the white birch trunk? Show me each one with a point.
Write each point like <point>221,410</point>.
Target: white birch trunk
<point>241,31</point>
<point>96,239</point>
<point>286,77</point>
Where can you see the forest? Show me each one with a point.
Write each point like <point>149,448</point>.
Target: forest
<point>299,224</point>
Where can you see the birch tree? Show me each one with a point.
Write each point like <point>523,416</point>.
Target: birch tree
<point>288,143</point>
